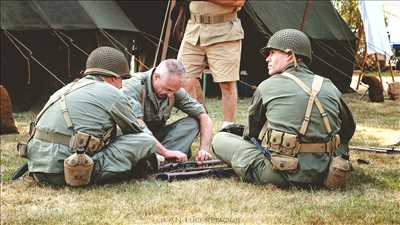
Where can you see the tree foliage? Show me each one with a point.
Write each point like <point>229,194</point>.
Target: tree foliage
<point>348,9</point>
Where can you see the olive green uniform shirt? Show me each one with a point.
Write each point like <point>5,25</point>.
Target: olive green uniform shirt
<point>283,103</point>
<point>93,109</point>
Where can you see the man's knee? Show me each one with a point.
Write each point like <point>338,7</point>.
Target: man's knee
<point>228,87</point>
<point>143,138</point>
<point>219,143</point>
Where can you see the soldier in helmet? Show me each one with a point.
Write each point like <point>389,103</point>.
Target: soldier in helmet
<point>155,93</point>
<point>82,117</point>
<point>295,114</point>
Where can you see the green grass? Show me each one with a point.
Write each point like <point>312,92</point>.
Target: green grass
<point>371,197</point>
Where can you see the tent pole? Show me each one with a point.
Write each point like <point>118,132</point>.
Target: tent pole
<point>379,68</point>
<point>360,32</point>
<point>162,33</point>
<point>304,15</point>
<point>391,70</point>
<point>167,32</point>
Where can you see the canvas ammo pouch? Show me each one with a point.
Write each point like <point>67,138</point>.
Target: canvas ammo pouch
<point>284,163</point>
<point>339,171</point>
<point>22,147</point>
<point>286,146</point>
<point>86,142</point>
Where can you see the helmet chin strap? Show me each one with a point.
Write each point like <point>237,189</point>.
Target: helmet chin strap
<point>296,65</point>
<point>290,51</point>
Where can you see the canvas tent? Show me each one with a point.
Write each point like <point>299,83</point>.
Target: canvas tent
<point>332,41</point>
<point>45,43</point>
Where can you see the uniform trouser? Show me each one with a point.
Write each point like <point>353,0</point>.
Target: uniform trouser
<point>246,160</point>
<point>179,135</point>
<point>116,162</point>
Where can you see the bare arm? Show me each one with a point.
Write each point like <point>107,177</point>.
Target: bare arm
<point>206,127</point>
<point>180,156</point>
<point>229,3</point>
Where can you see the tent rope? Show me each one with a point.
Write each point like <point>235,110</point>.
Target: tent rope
<point>253,87</point>
<point>71,42</point>
<point>140,62</point>
<point>156,38</point>
<point>325,47</point>
<point>68,52</point>
<point>108,38</point>
<point>113,40</point>
<point>332,66</point>
<point>12,37</point>
<point>28,61</point>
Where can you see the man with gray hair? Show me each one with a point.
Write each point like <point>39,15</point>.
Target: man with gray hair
<point>154,93</point>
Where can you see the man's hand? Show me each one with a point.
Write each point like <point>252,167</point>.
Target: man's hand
<point>203,155</point>
<point>179,156</point>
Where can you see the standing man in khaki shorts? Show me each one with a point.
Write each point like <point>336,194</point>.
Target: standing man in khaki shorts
<point>213,37</point>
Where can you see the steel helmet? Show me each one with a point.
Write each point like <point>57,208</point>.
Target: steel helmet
<point>290,40</point>
<point>107,61</point>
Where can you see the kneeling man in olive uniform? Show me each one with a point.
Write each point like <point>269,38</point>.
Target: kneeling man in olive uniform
<point>82,117</point>
<point>154,94</point>
<point>295,114</point>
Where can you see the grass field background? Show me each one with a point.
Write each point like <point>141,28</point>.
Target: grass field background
<point>371,197</point>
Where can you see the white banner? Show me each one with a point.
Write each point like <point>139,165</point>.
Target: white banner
<point>392,13</point>
<point>376,34</point>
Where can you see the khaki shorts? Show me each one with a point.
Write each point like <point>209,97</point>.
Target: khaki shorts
<point>223,60</point>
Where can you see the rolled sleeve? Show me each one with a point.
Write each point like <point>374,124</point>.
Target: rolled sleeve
<point>187,104</point>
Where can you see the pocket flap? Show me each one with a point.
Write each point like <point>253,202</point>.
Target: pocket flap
<point>289,141</point>
<point>276,137</point>
<point>284,163</point>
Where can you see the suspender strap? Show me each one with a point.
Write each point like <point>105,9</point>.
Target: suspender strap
<point>316,87</point>
<point>74,86</point>
<point>263,131</point>
<point>324,116</point>
<point>64,110</point>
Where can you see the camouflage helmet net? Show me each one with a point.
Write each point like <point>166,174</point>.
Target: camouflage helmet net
<point>290,40</point>
<point>107,61</point>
